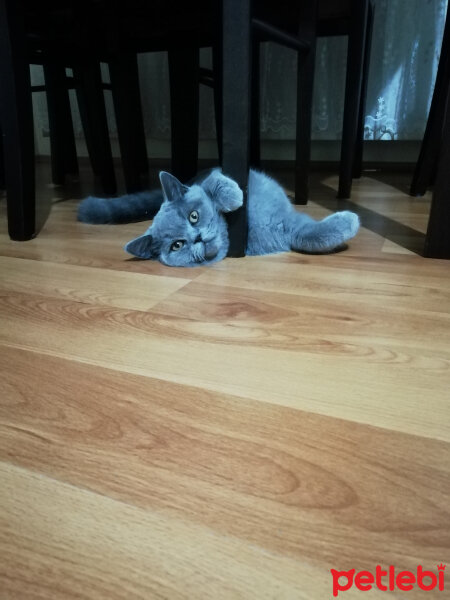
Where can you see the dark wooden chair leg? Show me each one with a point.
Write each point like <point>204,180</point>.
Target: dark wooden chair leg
<point>95,125</point>
<point>130,127</point>
<point>255,113</point>
<point>184,65</point>
<point>237,62</point>
<point>305,80</point>
<point>70,151</point>
<point>82,102</point>
<point>305,84</point>
<point>429,151</point>
<point>218,93</point>
<point>2,164</point>
<point>437,240</point>
<point>353,86</point>
<point>16,118</point>
<point>358,159</point>
<point>62,140</point>
<point>140,138</point>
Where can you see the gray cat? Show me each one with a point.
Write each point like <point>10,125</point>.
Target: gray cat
<point>189,227</point>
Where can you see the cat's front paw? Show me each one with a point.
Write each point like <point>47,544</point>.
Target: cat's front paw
<point>224,191</point>
<point>231,195</point>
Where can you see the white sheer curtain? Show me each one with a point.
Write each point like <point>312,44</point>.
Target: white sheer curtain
<point>406,47</point>
<point>405,53</point>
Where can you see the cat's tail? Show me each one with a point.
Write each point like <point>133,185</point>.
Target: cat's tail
<point>126,209</point>
<point>325,235</point>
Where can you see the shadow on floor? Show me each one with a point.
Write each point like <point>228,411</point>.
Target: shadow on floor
<point>403,235</point>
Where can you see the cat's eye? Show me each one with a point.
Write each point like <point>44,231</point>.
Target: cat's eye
<point>177,245</point>
<point>194,217</point>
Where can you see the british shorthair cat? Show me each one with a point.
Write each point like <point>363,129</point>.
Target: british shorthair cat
<point>189,227</point>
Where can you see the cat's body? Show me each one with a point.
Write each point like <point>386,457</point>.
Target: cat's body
<point>189,227</point>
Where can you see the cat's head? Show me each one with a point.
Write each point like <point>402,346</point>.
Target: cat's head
<point>189,228</point>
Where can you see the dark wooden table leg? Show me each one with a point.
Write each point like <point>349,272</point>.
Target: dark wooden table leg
<point>236,39</point>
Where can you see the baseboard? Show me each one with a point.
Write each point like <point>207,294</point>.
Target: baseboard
<point>387,155</point>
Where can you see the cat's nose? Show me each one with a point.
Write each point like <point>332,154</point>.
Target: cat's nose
<point>198,239</point>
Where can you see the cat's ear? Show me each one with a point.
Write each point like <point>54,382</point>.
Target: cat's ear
<point>172,188</point>
<point>224,191</point>
<point>142,247</point>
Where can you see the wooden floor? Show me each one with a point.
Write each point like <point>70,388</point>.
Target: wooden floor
<point>231,432</point>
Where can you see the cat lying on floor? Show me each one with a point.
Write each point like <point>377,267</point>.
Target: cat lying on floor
<point>189,227</point>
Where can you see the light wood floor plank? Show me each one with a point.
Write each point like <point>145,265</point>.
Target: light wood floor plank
<point>307,487</point>
<point>402,387</point>
<point>59,542</point>
<point>345,279</point>
<point>87,285</point>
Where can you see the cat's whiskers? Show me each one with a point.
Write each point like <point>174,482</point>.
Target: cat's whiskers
<point>198,252</point>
